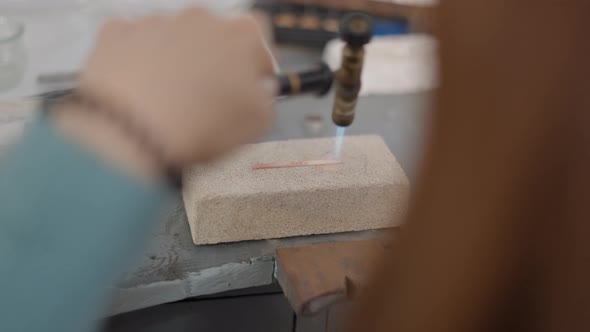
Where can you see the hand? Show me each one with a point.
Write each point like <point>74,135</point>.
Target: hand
<point>200,85</point>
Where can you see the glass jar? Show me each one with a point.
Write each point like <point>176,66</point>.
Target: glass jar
<point>12,53</point>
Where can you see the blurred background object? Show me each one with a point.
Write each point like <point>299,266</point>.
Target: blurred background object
<point>60,33</point>
<point>313,23</point>
<point>12,53</point>
<point>13,117</point>
<point>393,64</point>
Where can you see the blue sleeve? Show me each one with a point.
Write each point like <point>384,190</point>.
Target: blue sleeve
<point>69,227</point>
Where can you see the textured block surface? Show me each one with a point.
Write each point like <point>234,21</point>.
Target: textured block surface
<point>229,201</point>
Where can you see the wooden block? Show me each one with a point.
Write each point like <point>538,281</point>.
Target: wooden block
<point>316,277</point>
<point>231,200</point>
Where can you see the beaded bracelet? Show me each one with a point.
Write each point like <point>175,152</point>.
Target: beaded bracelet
<point>123,120</point>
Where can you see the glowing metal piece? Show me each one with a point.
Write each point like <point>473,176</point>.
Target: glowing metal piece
<point>296,164</point>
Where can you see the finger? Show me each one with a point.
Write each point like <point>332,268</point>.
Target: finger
<point>256,113</point>
<point>264,107</point>
<point>248,27</point>
<point>195,18</point>
<point>273,61</point>
<point>115,27</point>
<point>270,87</point>
<point>194,13</point>
<point>153,20</point>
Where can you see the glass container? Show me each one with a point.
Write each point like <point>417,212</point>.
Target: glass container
<point>12,53</point>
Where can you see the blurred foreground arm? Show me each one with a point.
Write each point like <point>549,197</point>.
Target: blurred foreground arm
<point>498,237</point>
<point>79,193</point>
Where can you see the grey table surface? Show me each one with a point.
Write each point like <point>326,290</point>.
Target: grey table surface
<point>172,268</point>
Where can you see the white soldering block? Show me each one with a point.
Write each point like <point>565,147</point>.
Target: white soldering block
<point>229,200</point>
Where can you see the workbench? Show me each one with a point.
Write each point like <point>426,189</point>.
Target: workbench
<point>172,268</point>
